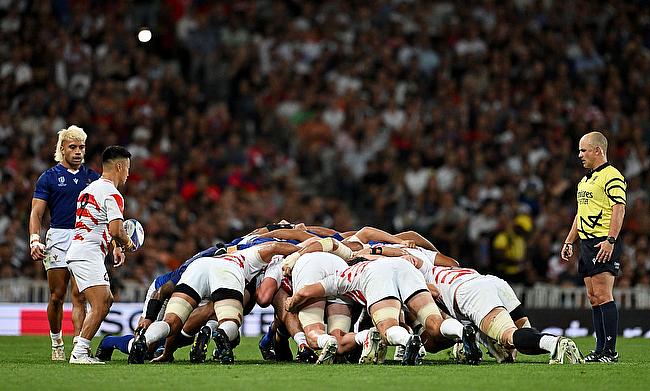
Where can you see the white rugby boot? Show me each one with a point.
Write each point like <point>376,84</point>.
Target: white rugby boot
<point>328,352</point>
<point>374,348</point>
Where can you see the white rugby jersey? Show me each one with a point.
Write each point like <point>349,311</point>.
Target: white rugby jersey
<point>353,281</point>
<point>97,205</point>
<point>249,260</point>
<point>322,264</point>
<point>447,279</point>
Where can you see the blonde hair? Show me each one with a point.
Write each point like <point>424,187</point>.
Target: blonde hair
<point>73,133</point>
<point>597,139</point>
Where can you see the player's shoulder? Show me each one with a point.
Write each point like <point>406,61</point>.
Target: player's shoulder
<point>52,172</point>
<point>89,172</point>
<point>612,172</point>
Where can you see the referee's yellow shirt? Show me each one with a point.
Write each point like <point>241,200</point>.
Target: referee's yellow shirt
<point>598,191</point>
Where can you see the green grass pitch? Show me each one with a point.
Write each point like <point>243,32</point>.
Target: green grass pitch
<point>25,365</point>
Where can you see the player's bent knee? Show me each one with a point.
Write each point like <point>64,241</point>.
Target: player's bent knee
<point>426,311</point>
<point>311,316</point>
<point>339,322</point>
<point>501,327</point>
<point>179,307</point>
<point>386,313</point>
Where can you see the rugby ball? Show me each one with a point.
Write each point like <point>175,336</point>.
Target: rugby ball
<point>135,231</point>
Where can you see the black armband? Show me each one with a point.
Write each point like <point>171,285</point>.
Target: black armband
<point>273,227</point>
<point>153,308</point>
<point>376,250</point>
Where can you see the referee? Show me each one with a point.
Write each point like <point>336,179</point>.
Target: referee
<point>601,208</point>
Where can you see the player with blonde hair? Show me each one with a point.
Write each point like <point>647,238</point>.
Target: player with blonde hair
<point>58,189</point>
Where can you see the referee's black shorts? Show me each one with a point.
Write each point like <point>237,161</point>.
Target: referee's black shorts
<point>588,266</point>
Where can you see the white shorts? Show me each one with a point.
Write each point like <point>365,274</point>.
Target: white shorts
<point>57,242</point>
<point>206,275</point>
<point>400,283</point>
<point>308,270</point>
<point>477,297</point>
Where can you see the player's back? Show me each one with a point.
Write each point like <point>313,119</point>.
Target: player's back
<point>447,279</point>
<point>97,205</point>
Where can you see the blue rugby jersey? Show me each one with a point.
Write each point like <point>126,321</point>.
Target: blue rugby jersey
<point>60,188</point>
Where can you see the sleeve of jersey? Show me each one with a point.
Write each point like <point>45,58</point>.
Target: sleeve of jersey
<point>41,190</point>
<point>330,284</point>
<point>114,206</point>
<point>274,270</point>
<point>615,189</point>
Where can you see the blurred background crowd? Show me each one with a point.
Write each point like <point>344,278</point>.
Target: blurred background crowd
<point>456,119</point>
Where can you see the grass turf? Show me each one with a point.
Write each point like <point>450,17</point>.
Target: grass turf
<point>25,365</point>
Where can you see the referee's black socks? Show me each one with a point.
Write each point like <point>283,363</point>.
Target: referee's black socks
<point>610,325</point>
<point>599,328</point>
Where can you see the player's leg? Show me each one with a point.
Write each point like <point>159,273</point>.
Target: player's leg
<point>57,281</point>
<point>202,323</point>
<point>385,316</point>
<point>602,300</point>
<point>339,320</point>
<point>178,309</point>
<point>78,310</point>
<point>421,304</point>
<point>288,325</point>
<point>312,320</point>
<point>229,309</point>
<point>100,299</point>
<point>498,324</point>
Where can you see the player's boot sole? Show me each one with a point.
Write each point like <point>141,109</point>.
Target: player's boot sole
<point>200,346</point>
<point>566,349</point>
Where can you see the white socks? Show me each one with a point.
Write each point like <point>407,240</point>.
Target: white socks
<point>156,331</point>
<point>361,336</point>
<point>548,343</point>
<point>397,335</point>
<point>322,340</point>
<point>451,328</point>
<point>82,347</point>
<point>213,325</point>
<point>231,329</point>
<point>300,338</point>
<point>57,339</point>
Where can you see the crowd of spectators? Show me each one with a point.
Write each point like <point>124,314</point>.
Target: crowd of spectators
<point>457,119</point>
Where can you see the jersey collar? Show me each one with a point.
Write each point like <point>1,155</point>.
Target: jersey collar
<point>599,168</point>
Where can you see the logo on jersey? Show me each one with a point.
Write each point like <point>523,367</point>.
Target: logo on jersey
<point>62,181</point>
<point>75,180</point>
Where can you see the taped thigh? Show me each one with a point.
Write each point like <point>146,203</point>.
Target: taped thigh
<point>229,309</point>
<point>385,313</point>
<point>426,311</point>
<point>501,323</point>
<point>179,307</point>
<point>312,315</point>
<point>339,322</point>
